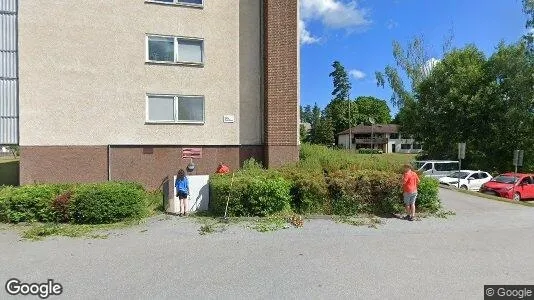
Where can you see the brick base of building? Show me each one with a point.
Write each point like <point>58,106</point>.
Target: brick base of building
<point>149,165</point>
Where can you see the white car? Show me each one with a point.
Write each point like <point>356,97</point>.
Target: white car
<point>467,179</point>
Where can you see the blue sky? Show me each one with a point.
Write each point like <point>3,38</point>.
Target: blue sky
<point>359,34</point>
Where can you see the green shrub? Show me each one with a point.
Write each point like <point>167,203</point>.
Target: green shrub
<point>309,191</point>
<point>80,203</point>
<point>108,202</point>
<point>365,191</point>
<point>29,203</point>
<point>252,193</point>
<point>428,195</point>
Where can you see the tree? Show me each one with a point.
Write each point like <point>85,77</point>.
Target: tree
<point>324,132</point>
<point>306,114</point>
<point>321,128</point>
<point>337,111</point>
<point>341,81</point>
<point>413,63</point>
<point>487,103</point>
<point>448,102</point>
<point>528,9</point>
<point>372,107</point>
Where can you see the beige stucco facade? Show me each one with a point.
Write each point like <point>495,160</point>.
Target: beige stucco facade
<point>84,76</point>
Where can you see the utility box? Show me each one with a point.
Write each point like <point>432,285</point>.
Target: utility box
<point>199,194</point>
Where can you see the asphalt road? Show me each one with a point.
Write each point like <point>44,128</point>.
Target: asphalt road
<point>486,242</point>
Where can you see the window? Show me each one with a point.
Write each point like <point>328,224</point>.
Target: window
<point>417,146</point>
<point>427,167</point>
<point>198,3</point>
<point>175,109</point>
<point>452,166</point>
<point>394,136</point>
<point>526,180</point>
<point>170,49</point>
<point>475,176</point>
<point>406,146</point>
<point>483,175</point>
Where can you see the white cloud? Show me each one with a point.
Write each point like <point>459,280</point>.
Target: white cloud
<point>305,35</point>
<point>391,24</point>
<point>530,30</point>
<point>357,74</point>
<point>429,65</point>
<point>333,14</point>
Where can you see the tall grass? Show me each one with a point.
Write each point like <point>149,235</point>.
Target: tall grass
<point>313,157</point>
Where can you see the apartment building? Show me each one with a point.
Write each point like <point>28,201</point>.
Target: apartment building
<point>385,137</point>
<point>135,90</point>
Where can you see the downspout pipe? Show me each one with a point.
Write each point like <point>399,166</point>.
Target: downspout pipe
<point>109,162</point>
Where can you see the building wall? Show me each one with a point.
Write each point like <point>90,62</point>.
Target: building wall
<point>85,78</point>
<point>281,79</point>
<point>126,163</point>
<point>8,72</point>
<point>83,95</point>
<point>344,142</point>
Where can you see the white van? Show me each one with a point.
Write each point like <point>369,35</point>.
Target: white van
<point>437,168</point>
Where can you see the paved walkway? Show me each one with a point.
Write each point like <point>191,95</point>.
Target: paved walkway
<point>486,242</point>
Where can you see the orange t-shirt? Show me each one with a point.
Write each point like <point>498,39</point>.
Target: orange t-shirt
<point>410,182</point>
<point>223,170</point>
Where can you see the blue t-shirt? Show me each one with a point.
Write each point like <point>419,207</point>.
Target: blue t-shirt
<point>182,185</point>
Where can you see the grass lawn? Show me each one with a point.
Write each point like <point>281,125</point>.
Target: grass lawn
<point>9,171</point>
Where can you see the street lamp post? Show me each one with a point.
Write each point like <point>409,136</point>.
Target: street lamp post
<point>372,121</point>
<point>350,129</point>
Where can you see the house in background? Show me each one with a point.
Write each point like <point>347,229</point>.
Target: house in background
<point>385,137</point>
<point>133,90</point>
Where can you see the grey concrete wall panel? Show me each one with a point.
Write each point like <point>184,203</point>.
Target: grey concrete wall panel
<point>8,6</point>
<point>8,73</point>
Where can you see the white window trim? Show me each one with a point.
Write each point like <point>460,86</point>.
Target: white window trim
<point>175,121</point>
<point>177,3</point>
<point>175,62</point>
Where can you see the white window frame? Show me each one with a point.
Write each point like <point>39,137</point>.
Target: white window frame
<point>176,38</point>
<point>176,99</point>
<point>177,3</point>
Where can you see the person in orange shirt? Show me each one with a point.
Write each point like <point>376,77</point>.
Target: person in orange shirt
<point>222,169</point>
<point>410,180</point>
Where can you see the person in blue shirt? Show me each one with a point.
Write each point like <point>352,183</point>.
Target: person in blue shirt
<point>182,191</point>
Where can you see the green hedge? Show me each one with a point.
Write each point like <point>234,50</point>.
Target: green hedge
<point>309,191</point>
<point>108,203</point>
<point>83,203</point>
<point>325,181</point>
<point>366,191</point>
<point>251,193</point>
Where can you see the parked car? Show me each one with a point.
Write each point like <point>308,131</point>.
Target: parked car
<point>515,186</point>
<point>437,168</point>
<point>467,179</point>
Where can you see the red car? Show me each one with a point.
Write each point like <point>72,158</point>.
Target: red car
<point>515,186</point>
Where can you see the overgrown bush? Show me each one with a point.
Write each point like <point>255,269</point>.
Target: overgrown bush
<point>428,195</point>
<point>108,202</point>
<point>82,203</point>
<point>325,181</point>
<point>61,206</point>
<point>250,193</point>
<point>309,191</point>
<point>30,203</point>
<point>365,191</point>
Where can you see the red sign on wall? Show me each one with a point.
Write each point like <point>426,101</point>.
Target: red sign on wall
<point>191,152</point>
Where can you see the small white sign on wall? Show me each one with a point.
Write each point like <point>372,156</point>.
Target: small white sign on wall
<point>228,119</point>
